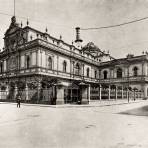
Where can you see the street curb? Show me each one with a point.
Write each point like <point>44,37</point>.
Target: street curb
<point>74,106</point>
<point>100,105</point>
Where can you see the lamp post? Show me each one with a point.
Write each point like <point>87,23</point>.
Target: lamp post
<point>128,85</point>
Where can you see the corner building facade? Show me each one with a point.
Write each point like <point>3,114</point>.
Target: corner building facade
<point>44,69</point>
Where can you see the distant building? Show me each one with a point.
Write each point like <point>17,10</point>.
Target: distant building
<point>43,69</point>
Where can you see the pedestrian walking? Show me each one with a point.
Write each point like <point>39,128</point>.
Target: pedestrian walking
<point>18,101</point>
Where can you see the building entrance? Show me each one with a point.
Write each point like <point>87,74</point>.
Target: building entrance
<point>71,95</point>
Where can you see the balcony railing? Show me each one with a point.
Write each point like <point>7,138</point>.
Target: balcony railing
<point>140,78</point>
<point>61,74</point>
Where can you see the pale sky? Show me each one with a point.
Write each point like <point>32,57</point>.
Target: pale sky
<point>62,16</point>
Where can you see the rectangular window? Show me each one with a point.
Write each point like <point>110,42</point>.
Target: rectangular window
<point>64,66</point>
<point>22,61</point>
<point>95,74</point>
<point>27,61</point>
<point>34,58</point>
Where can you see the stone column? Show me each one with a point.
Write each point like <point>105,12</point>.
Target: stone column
<point>138,94</point>
<point>122,93</point>
<point>127,93</point>
<point>100,91</point>
<point>0,93</point>
<point>83,71</point>
<point>73,68</point>
<point>84,94</point>
<point>134,95</point>
<point>144,68</point>
<point>54,95</point>
<point>57,64</point>
<point>109,92</point>
<point>15,91</point>
<point>26,92</point>
<point>60,94</point>
<point>38,91</point>
<point>116,96</point>
<point>144,90</point>
<point>37,58</point>
<point>88,93</point>
<point>7,91</point>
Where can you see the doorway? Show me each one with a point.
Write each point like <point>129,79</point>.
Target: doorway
<point>71,95</point>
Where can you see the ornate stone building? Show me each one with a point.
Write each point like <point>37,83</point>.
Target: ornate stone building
<point>43,69</point>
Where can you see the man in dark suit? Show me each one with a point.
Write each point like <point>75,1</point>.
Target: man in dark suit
<point>18,101</point>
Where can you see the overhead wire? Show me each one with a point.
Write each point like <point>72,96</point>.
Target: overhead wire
<point>39,21</point>
<point>113,26</point>
<point>91,28</point>
<point>117,25</point>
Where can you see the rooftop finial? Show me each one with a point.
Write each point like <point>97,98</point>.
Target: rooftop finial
<point>21,24</point>
<point>27,22</point>
<point>60,37</point>
<point>13,20</point>
<point>46,30</point>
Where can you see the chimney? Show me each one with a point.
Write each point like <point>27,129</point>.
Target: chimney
<point>78,40</point>
<point>78,35</point>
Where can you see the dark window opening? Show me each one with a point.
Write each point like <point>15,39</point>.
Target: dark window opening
<point>28,62</point>
<point>87,72</point>
<point>105,74</point>
<point>1,67</point>
<point>135,71</point>
<point>95,74</point>
<point>50,63</point>
<point>119,73</point>
<point>77,69</point>
<point>64,66</point>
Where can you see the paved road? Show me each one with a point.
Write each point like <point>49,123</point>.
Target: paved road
<point>76,127</point>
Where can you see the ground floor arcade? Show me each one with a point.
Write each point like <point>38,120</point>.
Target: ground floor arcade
<point>52,91</point>
<point>114,91</point>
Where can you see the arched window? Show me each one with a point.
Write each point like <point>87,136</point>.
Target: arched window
<point>105,74</point>
<point>50,63</point>
<point>28,62</point>
<point>64,66</point>
<point>119,73</point>
<point>135,71</point>
<point>87,72</point>
<point>77,69</point>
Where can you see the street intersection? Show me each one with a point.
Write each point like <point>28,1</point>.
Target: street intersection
<point>72,127</point>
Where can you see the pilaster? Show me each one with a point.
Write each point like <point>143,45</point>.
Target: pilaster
<point>109,92</point>
<point>100,91</point>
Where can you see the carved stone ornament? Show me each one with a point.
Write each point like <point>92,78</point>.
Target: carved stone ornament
<point>12,63</point>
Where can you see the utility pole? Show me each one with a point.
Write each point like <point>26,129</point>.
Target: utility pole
<point>14,7</point>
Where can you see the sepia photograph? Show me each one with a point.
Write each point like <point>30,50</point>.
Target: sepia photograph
<point>73,73</point>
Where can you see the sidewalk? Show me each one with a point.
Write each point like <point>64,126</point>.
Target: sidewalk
<point>114,102</point>
<point>102,103</point>
<point>96,103</point>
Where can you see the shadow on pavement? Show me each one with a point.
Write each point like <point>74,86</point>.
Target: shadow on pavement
<point>141,111</point>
